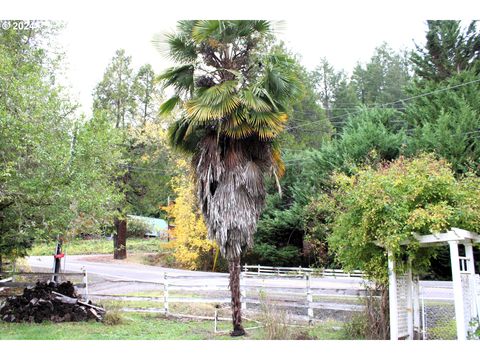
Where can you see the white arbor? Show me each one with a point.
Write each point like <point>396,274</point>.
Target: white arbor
<point>404,294</point>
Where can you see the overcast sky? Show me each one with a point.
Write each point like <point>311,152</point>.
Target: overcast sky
<point>344,32</point>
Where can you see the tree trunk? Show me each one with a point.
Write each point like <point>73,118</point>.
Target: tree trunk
<point>377,311</point>
<point>385,310</point>
<point>120,239</point>
<point>234,269</point>
<point>1,265</point>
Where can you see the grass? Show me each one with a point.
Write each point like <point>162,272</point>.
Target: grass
<point>148,327</point>
<point>97,246</point>
<point>134,327</point>
<point>337,299</point>
<point>188,308</point>
<point>328,330</point>
<point>196,309</point>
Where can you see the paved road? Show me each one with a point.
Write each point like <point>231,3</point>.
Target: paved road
<point>146,273</point>
<point>128,272</point>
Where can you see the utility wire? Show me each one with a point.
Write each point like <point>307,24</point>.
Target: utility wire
<point>341,108</point>
<point>469,136</point>
<point>380,106</point>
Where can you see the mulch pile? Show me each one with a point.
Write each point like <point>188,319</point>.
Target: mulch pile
<point>49,301</point>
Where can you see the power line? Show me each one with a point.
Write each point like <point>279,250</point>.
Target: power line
<point>391,103</point>
<point>340,108</point>
<point>469,135</point>
<point>432,92</point>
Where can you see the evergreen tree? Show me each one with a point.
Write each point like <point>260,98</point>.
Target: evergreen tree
<point>327,81</point>
<point>308,123</point>
<point>145,94</point>
<point>443,115</point>
<point>448,50</point>
<point>113,94</point>
<point>382,79</point>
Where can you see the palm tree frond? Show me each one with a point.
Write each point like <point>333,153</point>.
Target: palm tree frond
<point>180,48</point>
<point>167,107</point>
<point>235,129</point>
<point>216,102</point>
<point>267,125</point>
<point>202,113</point>
<point>217,94</point>
<point>184,136</point>
<point>253,102</point>
<point>268,98</point>
<point>278,164</point>
<point>180,78</point>
<point>262,26</point>
<point>204,29</point>
<point>276,83</point>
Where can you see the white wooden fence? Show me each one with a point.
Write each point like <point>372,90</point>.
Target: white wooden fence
<point>292,288</point>
<point>260,270</point>
<point>293,292</point>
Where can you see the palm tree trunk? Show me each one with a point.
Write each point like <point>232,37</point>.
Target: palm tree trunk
<point>234,269</point>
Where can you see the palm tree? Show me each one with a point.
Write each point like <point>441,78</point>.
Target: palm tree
<point>232,102</point>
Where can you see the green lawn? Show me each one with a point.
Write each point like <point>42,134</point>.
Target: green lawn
<point>97,246</point>
<point>149,327</point>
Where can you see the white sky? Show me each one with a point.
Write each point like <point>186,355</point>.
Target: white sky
<point>344,31</point>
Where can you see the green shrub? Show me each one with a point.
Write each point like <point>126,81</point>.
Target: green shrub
<point>356,327</point>
<point>136,228</point>
<point>269,255</point>
<point>380,207</point>
<point>474,334</point>
<point>113,316</point>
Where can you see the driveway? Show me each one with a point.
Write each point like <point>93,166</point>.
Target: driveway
<point>142,277</point>
<point>121,271</point>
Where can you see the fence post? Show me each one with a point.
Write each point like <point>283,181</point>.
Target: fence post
<point>458,291</point>
<point>215,320</point>
<point>424,316</point>
<point>258,269</point>
<point>416,307</point>
<point>243,292</point>
<point>85,281</point>
<point>410,311</point>
<point>309,299</point>
<point>392,297</point>
<point>474,312</point>
<point>165,294</point>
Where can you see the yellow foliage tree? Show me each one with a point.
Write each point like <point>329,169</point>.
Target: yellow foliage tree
<point>191,247</point>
